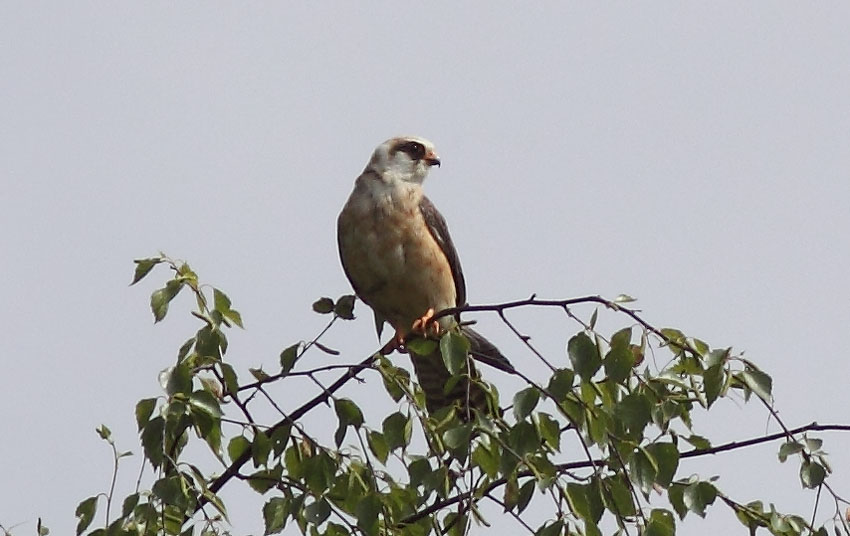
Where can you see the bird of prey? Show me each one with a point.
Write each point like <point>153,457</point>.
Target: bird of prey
<point>397,253</point>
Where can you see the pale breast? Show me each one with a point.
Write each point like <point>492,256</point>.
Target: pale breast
<point>393,262</point>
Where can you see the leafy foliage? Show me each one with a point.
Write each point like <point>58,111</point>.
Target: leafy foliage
<point>632,423</point>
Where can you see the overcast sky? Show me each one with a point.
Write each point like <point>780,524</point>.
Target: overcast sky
<point>693,155</point>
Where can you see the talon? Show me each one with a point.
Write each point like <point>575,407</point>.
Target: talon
<point>422,325</point>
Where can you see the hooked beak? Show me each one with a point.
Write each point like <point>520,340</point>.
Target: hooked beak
<point>432,159</point>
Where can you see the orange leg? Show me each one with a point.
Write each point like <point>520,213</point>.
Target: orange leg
<point>421,325</point>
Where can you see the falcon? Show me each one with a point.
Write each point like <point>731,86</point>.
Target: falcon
<point>398,255</point>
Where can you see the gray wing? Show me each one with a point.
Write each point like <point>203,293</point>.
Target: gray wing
<point>480,348</point>
<point>379,320</point>
<point>440,231</point>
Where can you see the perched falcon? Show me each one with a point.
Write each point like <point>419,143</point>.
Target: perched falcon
<point>396,251</point>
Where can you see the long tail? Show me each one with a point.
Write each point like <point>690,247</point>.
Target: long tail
<point>486,352</point>
<point>433,375</point>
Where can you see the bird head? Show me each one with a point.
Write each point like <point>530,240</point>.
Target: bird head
<point>405,158</point>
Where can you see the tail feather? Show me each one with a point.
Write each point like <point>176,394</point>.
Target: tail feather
<point>486,352</point>
<point>433,375</point>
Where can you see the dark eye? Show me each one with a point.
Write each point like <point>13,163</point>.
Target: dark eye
<point>415,149</point>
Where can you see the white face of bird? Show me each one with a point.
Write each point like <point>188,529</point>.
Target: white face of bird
<point>405,159</point>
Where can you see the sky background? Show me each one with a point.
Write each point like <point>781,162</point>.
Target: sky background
<point>693,155</point>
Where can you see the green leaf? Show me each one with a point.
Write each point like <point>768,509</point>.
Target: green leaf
<point>265,479</point>
<point>393,378</point>
<point>144,410</point>
<point>85,512</point>
<point>526,491</point>
<point>618,498</point>
<point>713,381</point>
<point>643,470</point>
<point>619,363</point>
<point>223,306</point>
<point>179,380</point>
<point>523,438</point>
<point>635,412</point>
<point>624,298</point>
<point>759,382</point>
<point>317,512</point>
<point>789,448</point>
<point>584,356</point>
<point>666,457</point>
<point>676,494</point>
<point>420,346</point>
<point>220,300</point>
<point>486,460</point>
<point>294,462</point>
<point>753,516</point>
<point>593,318</point>
<point>550,430</point>
<point>206,402</point>
<point>367,511</point>
<point>129,504</point>
<point>335,529</point>
<point>152,440</point>
<point>397,430</point>
<point>161,298</point>
<point>544,471</point>
<point>717,357</point>
<point>259,374</point>
<point>171,491</point>
<point>550,529</point>
<point>525,401</point>
<point>344,307</point>
<point>275,512</point>
<point>209,342</point>
<point>698,442</point>
<point>511,495</point>
<point>812,474</point>
<point>454,348</point>
<point>323,306</point>
<point>454,524</point>
<point>458,437</point>
<point>622,338</point>
<point>143,268</point>
<point>378,445</point>
<point>560,384</point>
<point>261,446</point>
<point>185,348</point>
<point>698,496</point>
<point>231,381</point>
<point>348,412</point>
<point>573,409</point>
<point>699,346</point>
<point>234,316</point>
<point>591,528</point>
<point>813,444</point>
<point>280,437</point>
<point>238,446</point>
<point>585,501</point>
<point>660,523</point>
<point>288,357</point>
<point>418,469</point>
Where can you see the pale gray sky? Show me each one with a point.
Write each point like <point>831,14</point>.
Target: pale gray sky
<point>694,155</point>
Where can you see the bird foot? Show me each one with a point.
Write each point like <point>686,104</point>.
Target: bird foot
<point>393,344</point>
<point>422,325</point>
